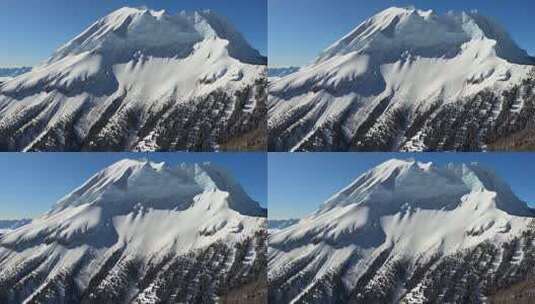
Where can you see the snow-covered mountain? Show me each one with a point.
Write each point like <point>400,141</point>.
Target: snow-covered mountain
<point>408,79</point>
<point>407,232</point>
<point>139,79</point>
<point>139,232</point>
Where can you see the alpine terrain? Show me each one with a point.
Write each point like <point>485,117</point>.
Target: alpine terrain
<point>141,232</point>
<point>141,80</point>
<point>408,232</point>
<point>409,80</point>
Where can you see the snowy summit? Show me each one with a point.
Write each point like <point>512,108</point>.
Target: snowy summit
<point>157,33</point>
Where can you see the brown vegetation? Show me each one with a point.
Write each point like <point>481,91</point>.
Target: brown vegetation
<point>519,141</point>
<point>255,140</point>
<point>521,293</point>
<point>252,293</point>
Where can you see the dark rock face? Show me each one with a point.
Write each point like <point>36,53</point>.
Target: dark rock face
<point>201,276</point>
<point>200,124</point>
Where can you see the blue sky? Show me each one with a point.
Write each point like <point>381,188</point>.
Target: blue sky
<point>33,29</point>
<point>33,182</point>
<point>299,29</point>
<point>299,182</point>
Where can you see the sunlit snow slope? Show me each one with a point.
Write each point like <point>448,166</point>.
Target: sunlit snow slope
<point>401,78</point>
<point>138,232</point>
<point>395,234</point>
<point>139,79</point>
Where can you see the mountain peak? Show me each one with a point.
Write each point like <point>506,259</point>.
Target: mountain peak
<point>426,185</point>
<point>394,11</point>
<point>157,185</point>
<point>129,31</point>
<point>406,30</point>
<point>129,11</point>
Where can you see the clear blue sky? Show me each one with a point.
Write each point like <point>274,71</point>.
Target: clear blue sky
<point>299,182</point>
<point>33,29</point>
<point>299,29</point>
<point>33,182</point>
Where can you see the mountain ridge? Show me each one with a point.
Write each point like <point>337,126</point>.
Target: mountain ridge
<point>195,178</point>
<point>411,176</point>
<point>458,28</point>
<point>106,33</point>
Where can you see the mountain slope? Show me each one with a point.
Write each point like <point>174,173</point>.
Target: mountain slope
<point>406,79</point>
<point>406,232</point>
<point>139,79</point>
<point>132,234</point>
